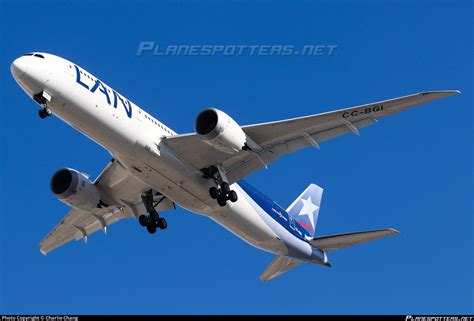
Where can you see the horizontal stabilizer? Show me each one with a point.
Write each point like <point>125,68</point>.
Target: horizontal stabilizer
<point>279,265</point>
<point>339,241</point>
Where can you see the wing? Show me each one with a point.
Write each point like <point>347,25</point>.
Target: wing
<point>336,242</point>
<point>278,266</point>
<point>120,192</point>
<point>281,137</point>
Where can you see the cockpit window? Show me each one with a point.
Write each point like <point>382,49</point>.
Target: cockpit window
<point>34,54</point>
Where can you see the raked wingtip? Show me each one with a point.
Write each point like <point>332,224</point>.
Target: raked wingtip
<point>452,92</point>
<point>42,251</point>
<point>394,231</point>
<point>444,93</point>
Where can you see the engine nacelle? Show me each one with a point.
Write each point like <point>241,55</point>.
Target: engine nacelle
<point>75,189</point>
<point>219,130</point>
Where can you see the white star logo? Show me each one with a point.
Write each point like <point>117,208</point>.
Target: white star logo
<point>308,209</point>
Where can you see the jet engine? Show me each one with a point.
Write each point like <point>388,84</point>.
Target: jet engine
<point>220,131</point>
<point>75,189</point>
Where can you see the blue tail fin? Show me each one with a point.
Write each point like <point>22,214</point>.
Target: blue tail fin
<point>305,208</point>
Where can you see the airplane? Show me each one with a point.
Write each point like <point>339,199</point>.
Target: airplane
<point>153,168</point>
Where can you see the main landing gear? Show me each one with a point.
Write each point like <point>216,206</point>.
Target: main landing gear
<point>222,192</point>
<point>43,98</point>
<point>152,221</point>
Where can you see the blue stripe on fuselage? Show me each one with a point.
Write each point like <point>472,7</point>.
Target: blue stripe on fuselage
<point>275,211</point>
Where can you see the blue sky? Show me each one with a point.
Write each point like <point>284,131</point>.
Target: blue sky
<point>412,171</point>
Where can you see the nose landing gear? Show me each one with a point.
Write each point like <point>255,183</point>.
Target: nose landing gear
<point>45,112</point>
<point>152,221</point>
<point>43,98</point>
<point>222,192</point>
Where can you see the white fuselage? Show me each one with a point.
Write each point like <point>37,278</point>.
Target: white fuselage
<point>134,138</point>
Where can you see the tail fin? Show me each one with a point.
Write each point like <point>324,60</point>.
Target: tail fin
<point>305,208</point>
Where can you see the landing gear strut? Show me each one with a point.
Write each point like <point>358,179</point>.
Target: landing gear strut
<point>152,221</point>
<point>43,98</point>
<point>221,192</point>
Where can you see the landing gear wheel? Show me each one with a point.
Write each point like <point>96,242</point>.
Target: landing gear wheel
<point>221,201</point>
<point>154,216</point>
<point>225,188</point>
<point>153,220</point>
<point>151,228</point>
<point>162,224</point>
<point>48,111</point>
<point>232,196</point>
<point>221,191</point>
<point>144,220</point>
<point>42,113</point>
<point>214,192</point>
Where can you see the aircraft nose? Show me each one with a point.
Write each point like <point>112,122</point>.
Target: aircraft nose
<point>19,67</point>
